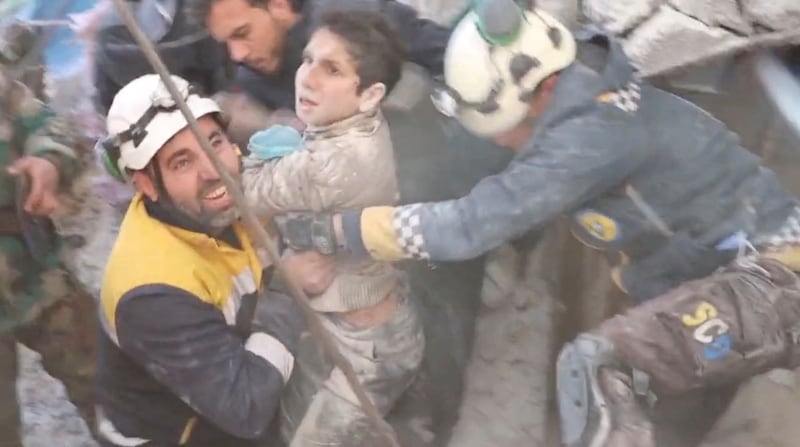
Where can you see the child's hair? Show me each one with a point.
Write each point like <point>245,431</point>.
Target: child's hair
<point>373,44</point>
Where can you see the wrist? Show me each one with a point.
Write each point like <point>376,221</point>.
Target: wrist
<point>347,226</point>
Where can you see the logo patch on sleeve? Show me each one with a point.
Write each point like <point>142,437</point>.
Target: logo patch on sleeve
<point>598,225</point>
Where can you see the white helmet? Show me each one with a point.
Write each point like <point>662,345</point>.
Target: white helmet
<point>143,117</point>
<point>496,57</point>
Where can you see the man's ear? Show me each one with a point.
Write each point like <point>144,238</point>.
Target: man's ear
<point>144,184</point>
<point>371,97</point>
<point>281,9</point>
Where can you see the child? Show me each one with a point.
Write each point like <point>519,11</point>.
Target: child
<point>343,160</point>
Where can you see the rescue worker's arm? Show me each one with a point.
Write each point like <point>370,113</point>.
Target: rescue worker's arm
<point>187,345</point>
<point>564,167</point>
<point>425,39</point>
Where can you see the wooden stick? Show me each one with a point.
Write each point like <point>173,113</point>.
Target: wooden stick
<point>258,233</point>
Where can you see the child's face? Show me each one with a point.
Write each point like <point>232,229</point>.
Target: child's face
<point>326,83</point>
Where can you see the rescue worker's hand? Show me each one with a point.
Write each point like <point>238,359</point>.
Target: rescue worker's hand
<point>307,230</point>
<point>43,176</point>
<point>277,314</point>
<point>312,271</point>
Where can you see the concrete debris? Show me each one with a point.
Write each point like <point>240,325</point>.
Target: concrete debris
<point>619,16</point>
<point>723,13</point>
<point>778,15</point>
<point>669,38</point>
<point>441,11</point>
<point>446,11</point>
<point>48,418</point>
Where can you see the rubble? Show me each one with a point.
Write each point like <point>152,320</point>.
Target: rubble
<point>48,418</point>
<point>778,15</point>
<point>722,13</point>
<point>670,38</point>
<point>619,16</point>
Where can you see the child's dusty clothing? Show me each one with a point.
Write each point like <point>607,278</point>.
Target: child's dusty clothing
<point>319,408</point>
<point>349,164</point>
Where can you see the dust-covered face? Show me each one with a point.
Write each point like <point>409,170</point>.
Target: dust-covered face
<point>255,34</point>
<point>326,84</point>
<point>190,180</point>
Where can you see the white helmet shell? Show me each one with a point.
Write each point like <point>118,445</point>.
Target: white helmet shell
<point>134,100</point>
<point>492,81</point>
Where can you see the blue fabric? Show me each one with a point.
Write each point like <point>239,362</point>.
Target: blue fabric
<point>275,142</point>
<point>64,50</point>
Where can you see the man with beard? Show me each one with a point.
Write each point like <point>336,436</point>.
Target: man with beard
<point>179,364</point>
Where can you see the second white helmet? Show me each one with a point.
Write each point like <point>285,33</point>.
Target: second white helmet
<point>496,57</point>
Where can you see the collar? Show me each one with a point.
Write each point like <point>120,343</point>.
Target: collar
<point>360,124</point>
<point>601,66</point>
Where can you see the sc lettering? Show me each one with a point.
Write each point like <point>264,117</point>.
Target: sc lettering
<point>709,330</point>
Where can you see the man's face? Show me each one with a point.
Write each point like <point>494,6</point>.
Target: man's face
<point>326,83</point>
<point>190,180</point>
<point>255,34</point>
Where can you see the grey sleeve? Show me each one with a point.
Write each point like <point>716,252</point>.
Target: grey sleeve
<point>584,157</point>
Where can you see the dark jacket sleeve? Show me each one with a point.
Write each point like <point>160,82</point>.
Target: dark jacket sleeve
<point>425,39</point>
<point>187,345</point>
<point>581,158</point>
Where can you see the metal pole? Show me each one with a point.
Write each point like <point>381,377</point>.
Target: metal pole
<point>257,232</point>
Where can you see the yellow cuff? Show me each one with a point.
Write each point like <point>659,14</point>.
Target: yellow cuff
<point>378,234</point>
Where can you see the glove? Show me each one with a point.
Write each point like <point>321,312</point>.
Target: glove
<point>275,142</point>
<point>277,314</point>
<point>307,230</point>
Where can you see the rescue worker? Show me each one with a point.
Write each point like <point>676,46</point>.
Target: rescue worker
<point>40,304</point>
<point>703,236</point>
<point>195,348</point>
<point>268,36</point>
<point>186,49</point>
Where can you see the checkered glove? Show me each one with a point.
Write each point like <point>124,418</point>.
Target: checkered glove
<point>307,230</point>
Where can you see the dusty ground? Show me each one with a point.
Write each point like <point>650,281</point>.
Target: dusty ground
<point>48,418</point>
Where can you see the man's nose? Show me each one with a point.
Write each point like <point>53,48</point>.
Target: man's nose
<point>207,170</point>
<point>238,51</point>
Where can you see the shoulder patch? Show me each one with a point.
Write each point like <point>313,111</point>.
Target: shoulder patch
<point>598,225</point>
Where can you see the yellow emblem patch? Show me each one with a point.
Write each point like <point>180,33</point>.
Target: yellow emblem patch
<point>598,225</point>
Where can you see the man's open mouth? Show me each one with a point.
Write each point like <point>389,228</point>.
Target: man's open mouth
<point>217,193</point>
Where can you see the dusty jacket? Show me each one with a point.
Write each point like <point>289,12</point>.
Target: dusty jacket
<point>348,164</point>
<point>607,144</point>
